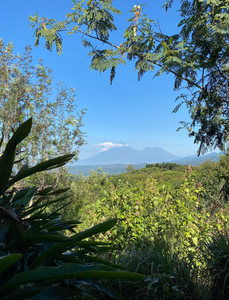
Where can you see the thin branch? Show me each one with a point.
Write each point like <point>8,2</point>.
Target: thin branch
<point>175,73</point>
<point>93,37</point>
<point>154,62</point>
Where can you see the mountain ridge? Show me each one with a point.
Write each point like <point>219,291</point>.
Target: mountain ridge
<point>129,155</point>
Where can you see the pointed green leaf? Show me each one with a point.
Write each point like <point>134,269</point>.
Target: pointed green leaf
<point>2,138</point>
<point>51,222</point>
<point>110,292</point>
<point>46,165</point>
<point>77,237</point>
<point>55,293</point>
<point>68,271</point>
<point>8,260</point>
<point>102,227</point>
<point>26,293</point>
<point>19,236</point>
<point>47,238</point>
<point>45,191</point>
<point>23,169</point>
<point>59,191</point>
<point>22,193</point>
<point>37,226</point>
<point>8,156</point>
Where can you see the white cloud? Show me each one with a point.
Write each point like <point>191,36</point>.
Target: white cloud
<point>108,145</point>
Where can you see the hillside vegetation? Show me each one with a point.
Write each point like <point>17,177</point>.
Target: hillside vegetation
<point>172,225</point>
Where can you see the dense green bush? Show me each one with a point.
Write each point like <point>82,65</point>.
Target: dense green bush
<point>208,175</point>
<point>149,210</point>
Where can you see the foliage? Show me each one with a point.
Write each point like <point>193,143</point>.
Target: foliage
<point>27,90</point>
<point>130,168</point>
<point>208,175</point>
<point>167,277</point>
<point>217,258</point>
<point>224,176</point>
<point>197,55</point>
<point>167,234</point>
<point>37,260</point>
<point>171,175</point>
<point>148,210</point>
<point>165,166</point>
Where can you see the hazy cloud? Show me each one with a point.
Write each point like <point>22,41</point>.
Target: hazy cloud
<point>108,145</point>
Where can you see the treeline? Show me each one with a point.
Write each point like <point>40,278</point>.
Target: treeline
<point>165,166</point>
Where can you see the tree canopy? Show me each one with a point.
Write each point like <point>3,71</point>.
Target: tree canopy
<point>27,90</point>
<point>197,54</point>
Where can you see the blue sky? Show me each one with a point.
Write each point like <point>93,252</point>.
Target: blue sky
<point>136,113</point>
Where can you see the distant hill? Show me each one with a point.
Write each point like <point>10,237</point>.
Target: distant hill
<point>194,160</point>
<point>156,154</point>
<point>116,169</point>
<point>129,155</point>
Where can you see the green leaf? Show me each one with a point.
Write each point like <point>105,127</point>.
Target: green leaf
<point>35,205</point>
<point>25,293</point>
<point>77,237</point>
<point>24,193</point>
<point>8,260</point>
<point>47,238</point>
<point>55,293</point>
<point>38,225</point>
<point>59,191</point>
<point>45,191</point>
<point>68,271</point>
<point>23,169</point>
<point>46,165</point>
<point>7,159</point>
<point>19,236</point>
<point>110,292</point>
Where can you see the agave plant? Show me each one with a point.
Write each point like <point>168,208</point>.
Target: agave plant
<point>37,261</point>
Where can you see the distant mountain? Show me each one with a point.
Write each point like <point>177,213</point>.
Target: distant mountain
<point>129,155</point>
<point>156,154</point>
<point>194,160</point>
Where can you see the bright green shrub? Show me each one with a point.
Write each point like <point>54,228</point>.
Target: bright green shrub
<point>148,211</point>
<point>208,175</point>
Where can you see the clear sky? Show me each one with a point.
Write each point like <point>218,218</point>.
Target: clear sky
<point>136,113</point>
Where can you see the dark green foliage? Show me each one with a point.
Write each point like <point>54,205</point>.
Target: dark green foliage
<point>36,258</point>
<point>168,277</point>
<point>165,166</point>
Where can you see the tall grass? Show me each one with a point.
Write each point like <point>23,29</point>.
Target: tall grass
<point>168,277</point>
<point>217,258</point>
